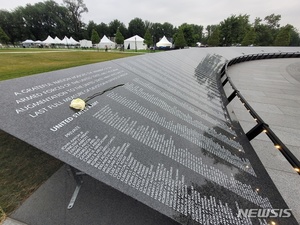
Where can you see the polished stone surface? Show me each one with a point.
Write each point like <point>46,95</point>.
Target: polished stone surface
<point>164,138</point>
<point>96,204</point>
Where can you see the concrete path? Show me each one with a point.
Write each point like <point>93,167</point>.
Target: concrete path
<point>272,88</point>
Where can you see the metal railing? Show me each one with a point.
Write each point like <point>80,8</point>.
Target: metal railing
<point>261,126</point>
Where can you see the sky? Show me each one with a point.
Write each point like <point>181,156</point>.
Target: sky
<point>176,12</point>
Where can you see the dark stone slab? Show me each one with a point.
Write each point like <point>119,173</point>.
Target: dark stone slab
<point>164,138</point>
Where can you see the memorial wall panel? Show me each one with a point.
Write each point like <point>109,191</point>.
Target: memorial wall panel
<point>163,138</point>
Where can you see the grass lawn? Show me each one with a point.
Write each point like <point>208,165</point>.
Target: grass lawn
<point>25,62</point>
<point>24,168</point>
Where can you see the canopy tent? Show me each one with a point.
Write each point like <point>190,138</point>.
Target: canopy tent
<point>27,43</point>
<point>49,40</point>
<point>85,43</point>
<point>135,42</point>
<point>106,43</point>
<point>164,43</point>
<point>69,41</point>
<point>57,41</point>
<point>66,41</point>
<point>38,42</point>
<point>73,41</point>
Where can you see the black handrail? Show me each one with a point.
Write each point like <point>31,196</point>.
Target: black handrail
<point>261,125</point>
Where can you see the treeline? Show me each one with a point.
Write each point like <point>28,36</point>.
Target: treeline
<point>38,21</point>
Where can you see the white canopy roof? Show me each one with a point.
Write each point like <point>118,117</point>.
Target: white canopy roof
<point>66,41</point>
<point>135,38</point>
<point>105,40</point>
<point>49,40</point>
<point>28,41</point>
<point>69,41</point>
<point>135,42</point>
<point>164,42</point>
<point>57,40</point>
<point>106,43</point>
<point>73,41</point>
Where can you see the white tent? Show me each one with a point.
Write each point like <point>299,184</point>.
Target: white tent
<point>73,42</point>
<point>85,43</point>
<point>105,42</point>
<point>27,43</point>
<point>49,40</point>
<point>38,42</point>
<point>164,43</point>
<point>66,41</point>
<point>57,41</point>
<point>135,42</point>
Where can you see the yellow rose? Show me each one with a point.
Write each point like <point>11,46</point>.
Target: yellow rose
<point>77,103</point>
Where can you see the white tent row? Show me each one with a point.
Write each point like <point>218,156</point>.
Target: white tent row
<point>52,41</point>
<point>57,41</point>
<point>136,42</point>
<point>29,42</point>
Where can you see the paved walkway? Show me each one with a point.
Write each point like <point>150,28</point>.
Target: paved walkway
<point>272,88</point>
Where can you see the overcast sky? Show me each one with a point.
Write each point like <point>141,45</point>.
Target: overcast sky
<point>200,12</point>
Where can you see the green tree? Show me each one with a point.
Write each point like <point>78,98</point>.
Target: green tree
<point>214,39</point>
<point>14,25</point>
<point>249,38</point>
<point>95,37</point>
<point>102,30</point>
<point>189,34</point>
<point>90,27</point>
<point>273,21</point>
<point>295,38</point>
<point>179,39</point>
<point>257,22</point>
<point>114,25</point>
<point>6,24</point>
<point>168,30</point>
<point>283,38</point>
<point>147,25</point>
<point>233,29</point>
<point>148,38</point>
<point>136,27</point>
<point>198,30</point>
<point>119,37</point>
<point>264,35</point>
<point>3,36</point>
<point>157,31</point>
<point>209,30</point>
<point>76,8</point>
<point>45,18</point>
